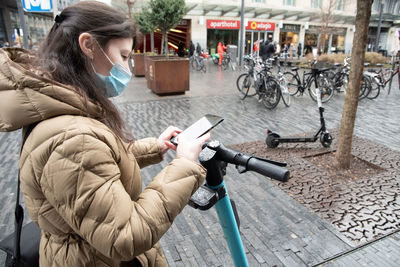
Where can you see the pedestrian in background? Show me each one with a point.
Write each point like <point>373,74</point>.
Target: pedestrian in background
<point>181,49</point>
<point>221,48</point>
<point>267,49</point>
<point>80,167</point>
<point>198,49</point>
<point>291,50</point>
<point>191,49</point>
<point>299,49</point>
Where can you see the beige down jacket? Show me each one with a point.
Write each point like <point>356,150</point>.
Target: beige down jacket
<point>81,184</point>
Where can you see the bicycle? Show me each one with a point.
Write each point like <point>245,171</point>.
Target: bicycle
<point>267,88</point>
<point>227,62</point>
<point>340,76</point>
<point>316,77</point>
<point>280,78</point>
<point>385,76</point>
<point>198,63</point>
<point>215,157</point>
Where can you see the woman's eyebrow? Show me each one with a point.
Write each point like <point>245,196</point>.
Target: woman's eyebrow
<point>126,51</point>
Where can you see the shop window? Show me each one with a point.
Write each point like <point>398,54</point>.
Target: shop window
<point>258,1</point>
<point>339,4</point>
<point>316,3</point>
<point>289,2</point>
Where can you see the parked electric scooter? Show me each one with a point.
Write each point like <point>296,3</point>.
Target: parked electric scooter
<point>274,139</point>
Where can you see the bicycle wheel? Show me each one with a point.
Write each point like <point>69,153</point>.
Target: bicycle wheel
<point>224,63</point>
<point>244,84</point>
<point>284,92</point>
<point>325,87</point>
<point>291,82</point>
<point>376,83</point>
<point>270,94</point>
<point>365,87</point>
<point>344,82</point>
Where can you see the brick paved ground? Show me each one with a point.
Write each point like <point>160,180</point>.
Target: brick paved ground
<point>276,230</point>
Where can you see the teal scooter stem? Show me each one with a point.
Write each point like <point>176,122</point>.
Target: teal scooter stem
<point>215,157</point>
<point>230,227</point>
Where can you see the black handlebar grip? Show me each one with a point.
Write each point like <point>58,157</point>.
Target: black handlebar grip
<point>265,168</point>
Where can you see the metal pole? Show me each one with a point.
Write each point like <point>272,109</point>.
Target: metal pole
<point>241,39</point>
<point>23,25</point>
<point>378,33</point>
<point>55,8</point>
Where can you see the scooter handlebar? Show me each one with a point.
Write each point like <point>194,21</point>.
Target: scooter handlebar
<point>268,169</point>
<point>272,169</point>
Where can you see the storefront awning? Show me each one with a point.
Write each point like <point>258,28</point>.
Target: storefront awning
<point>259,12</point>
<point>226,10</point>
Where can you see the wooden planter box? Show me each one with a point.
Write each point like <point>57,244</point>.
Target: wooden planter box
<point>167,75</point>
<point>139,69</point>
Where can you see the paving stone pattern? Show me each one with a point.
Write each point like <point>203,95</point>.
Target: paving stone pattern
<point>276,229</point>
<point>363,208</point>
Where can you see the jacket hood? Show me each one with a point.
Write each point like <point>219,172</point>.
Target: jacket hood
<point>26,97</point>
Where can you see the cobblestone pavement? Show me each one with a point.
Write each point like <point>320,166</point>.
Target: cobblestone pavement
<point>276,230</point>
<point>362,203</point>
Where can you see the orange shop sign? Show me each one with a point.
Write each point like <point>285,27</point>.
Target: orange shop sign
<point>260,26</point>
<point>223,24</point>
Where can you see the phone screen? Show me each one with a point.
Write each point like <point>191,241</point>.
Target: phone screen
<point>199,128</point>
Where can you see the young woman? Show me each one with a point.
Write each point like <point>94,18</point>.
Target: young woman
<point>80,168</point>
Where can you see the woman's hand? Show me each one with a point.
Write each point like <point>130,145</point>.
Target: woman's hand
<point>191,149</point>
<point>163,139</point>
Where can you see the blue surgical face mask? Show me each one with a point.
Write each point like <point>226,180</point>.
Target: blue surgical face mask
<point>118,80</point>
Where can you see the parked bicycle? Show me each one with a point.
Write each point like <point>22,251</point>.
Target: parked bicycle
<point>227,62</point>
<point>316,78</point>
<point>197,62</point>
<point>266,67</point>
<point>255,81</point>
<point>382,77</point>
<point>339,76</point>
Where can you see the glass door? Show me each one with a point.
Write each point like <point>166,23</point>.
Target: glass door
<point>248,39</point>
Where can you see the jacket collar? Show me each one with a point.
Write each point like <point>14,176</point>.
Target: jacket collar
<point>26,97</point>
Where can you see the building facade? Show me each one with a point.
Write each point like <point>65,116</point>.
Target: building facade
<point>38,24</point>
<point>328,24</point>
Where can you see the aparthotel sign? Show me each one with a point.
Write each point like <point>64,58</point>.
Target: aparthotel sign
<point>235,25</point>
<point>223,24</point>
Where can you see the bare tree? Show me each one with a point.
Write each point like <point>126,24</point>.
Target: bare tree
<point>327,17</point>
<point>343,154</point>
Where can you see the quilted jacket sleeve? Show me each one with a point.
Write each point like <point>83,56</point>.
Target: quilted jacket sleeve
<point>81,180</point>
<point>146,152</point>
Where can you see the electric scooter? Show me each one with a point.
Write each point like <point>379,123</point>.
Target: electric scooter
<point>215,157</point>
<point>274,139</point>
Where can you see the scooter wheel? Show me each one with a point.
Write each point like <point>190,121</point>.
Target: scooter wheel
<point>272,140</point>
<point>326,139</point>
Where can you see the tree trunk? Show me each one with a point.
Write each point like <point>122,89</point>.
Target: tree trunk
<point>144,43</point>
<point>343,154</point>
<point>152,41</point>
<point>162,44</point>
<point>166,44</point>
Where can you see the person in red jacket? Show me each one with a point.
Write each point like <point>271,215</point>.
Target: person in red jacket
<point>221,51</point>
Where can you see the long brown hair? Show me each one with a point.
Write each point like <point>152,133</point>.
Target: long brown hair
<point>60,55</point>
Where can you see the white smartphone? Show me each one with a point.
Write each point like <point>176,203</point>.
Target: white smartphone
<point>199,128</point>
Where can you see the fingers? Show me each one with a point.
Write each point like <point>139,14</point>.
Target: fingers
<point>170,145</point>
<point>173,129</point>
<point>204,138</point>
